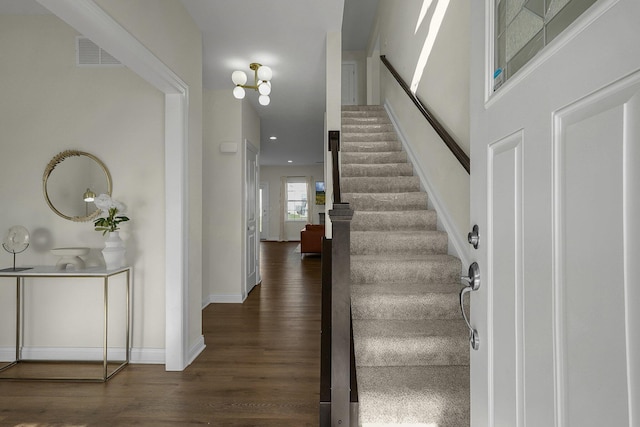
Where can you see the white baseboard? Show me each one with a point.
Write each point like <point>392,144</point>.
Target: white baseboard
<point>458,245</point>
<point>224,299</point>
<point>137,355</point>
<point>148,356</point>
<point>196,349</point>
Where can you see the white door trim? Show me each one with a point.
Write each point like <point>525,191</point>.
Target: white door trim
<point>246,287</point>
<point>93,22</point>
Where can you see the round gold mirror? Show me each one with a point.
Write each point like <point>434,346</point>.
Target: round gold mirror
<point>71,180</point>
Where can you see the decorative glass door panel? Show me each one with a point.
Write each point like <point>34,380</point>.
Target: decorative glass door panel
<point>524,27</point>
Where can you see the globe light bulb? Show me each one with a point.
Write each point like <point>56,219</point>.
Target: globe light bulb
<point>264,88</point>
<point>238,92</point>
<point>239,77</point>
<point>265,73</point>
<point>264,100</point>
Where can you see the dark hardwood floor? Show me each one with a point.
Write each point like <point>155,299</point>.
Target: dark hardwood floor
<point>261,366</point>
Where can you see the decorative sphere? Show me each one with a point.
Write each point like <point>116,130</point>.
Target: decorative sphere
<point>264,100</point>
<point>238,92</point>
<point>265,73</point>
<point>264,88</point>
<point>239,77</point>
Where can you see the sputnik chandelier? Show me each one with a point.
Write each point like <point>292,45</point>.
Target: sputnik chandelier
<point>261,82</point>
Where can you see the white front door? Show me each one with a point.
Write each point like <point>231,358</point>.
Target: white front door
<point>555,182</point>
<point>251,218</point>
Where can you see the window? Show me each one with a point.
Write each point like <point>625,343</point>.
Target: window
<point>523,28</point>
<point>297,207</point>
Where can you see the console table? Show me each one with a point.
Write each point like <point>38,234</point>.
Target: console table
<point>45,272</point>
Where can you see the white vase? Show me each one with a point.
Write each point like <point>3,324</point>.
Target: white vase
<point>114,251</point>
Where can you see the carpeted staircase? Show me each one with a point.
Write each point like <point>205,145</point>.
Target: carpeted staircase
<point>411,344</point>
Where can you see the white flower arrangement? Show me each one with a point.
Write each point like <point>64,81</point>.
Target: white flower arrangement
<point>109,219</point>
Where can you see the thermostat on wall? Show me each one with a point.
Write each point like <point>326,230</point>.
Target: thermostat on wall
<point>228,147</point>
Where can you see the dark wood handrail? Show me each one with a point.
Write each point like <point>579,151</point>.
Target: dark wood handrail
<point>437,126</point>
<point>334,147</point>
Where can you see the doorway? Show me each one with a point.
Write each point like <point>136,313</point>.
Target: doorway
<point>349,83</point>
<point>263,206</point>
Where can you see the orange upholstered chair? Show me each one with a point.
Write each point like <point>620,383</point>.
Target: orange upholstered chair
<point>311,238</point>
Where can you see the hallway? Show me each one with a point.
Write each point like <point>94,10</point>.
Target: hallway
<point>261,366</point>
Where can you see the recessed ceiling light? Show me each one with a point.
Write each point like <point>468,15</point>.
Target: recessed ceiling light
<point>289,161</point>
<point>273,138</point>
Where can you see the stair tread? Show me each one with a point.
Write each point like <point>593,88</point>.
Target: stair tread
<point>381,184</point>
<point>428,305</point>
<point>398,242</point>
<point>402,201</point>
<point>394,220</point>
<point>381,179</point>
<point>411,267</point>
<point>423,258</point>
<point>381,234</point>
<point>429,395</point>
<point>391,342</point>
<point>386,196</point>
<point>403,288</point>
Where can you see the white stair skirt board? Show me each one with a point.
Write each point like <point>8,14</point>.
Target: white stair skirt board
<point>458,244</point>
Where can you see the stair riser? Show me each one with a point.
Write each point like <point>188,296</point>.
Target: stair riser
<point>370,146</point>
<point>398,184</point>
<point>406,307</point>
<point>366,112</point>
<point>374,158</point>
<point>369,137</point>
<point>420,351</point>
<point>365,120</point>
<point>394,169</point>
<point>387,221</point>
<point>369,243</point>
<point>409,271</point>
<point>367,128</point>
<point>424,396</point>
<point>386,201</point>
<point>363,108</point>
<point>365,117</point>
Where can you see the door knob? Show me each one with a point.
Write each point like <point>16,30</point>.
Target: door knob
<point>473,284</point>
<point>473,279</point>
<point>474,236</point>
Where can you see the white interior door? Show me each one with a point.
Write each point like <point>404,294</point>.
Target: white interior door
<point>349,84</point>
<point>264,211</point>
<point>555,183</point>
<point>251,214</point>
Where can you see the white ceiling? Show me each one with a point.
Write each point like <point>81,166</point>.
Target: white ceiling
<point>287,35</point>
<point>22,7</point>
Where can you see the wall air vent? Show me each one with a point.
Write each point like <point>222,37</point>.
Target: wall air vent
<point>90,54</point>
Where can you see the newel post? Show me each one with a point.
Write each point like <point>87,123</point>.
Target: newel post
<point>341,216</point>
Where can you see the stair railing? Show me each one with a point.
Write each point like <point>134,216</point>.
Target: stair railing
<point>338,389</point>
<point>457,151</point>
